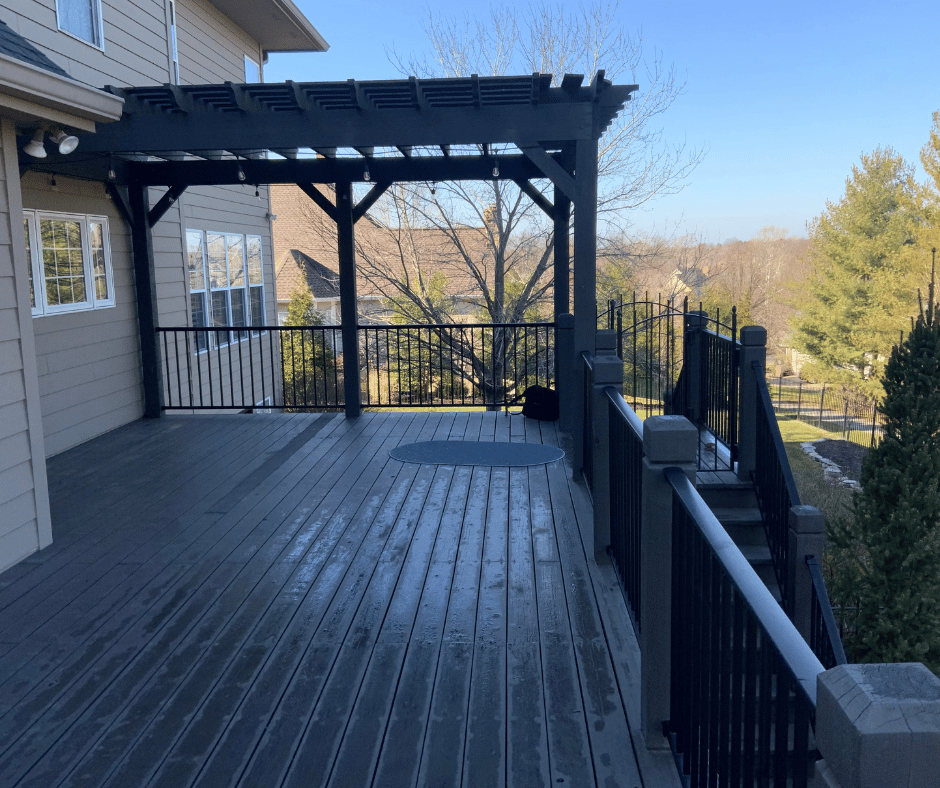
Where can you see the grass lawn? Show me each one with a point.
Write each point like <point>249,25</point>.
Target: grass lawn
<point>831,499</point>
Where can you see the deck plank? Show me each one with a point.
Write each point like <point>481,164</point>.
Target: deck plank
<point>276,601</point>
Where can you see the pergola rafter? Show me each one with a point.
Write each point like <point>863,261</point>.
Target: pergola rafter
<point>510,128</point>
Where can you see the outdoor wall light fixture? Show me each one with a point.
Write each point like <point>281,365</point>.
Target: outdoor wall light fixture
<point>66,142</point>
<point>35,147</point>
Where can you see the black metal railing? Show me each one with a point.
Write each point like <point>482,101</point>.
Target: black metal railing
<point>773,480</point>
<point>454,365</point>
<point>301,368</point>
<point>649,341</point>
<point>264,366</point>
<point>743,681</point>
<point>626,468</point>
<point>720,385</point>
<point>824,638</point>
<point>587,427</point>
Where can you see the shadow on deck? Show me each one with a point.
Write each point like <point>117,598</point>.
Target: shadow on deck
<point>271,600</point>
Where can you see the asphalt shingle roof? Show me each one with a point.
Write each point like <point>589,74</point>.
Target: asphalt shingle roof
<point>12,44</point>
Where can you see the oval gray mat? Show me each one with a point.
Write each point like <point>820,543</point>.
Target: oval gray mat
<point>498,453</point>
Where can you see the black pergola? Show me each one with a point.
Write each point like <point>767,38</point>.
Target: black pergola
<point>515,128</point>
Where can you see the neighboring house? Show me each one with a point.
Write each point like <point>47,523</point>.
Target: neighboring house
<point>305,253</point>
<point>70,365</point>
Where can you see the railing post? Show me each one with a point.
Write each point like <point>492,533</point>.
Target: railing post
<point>753,348</point>
<point>567,374</point>
<point>877,725</point>
<point>695,365</point>
<point>668,441</point>
<point>608,372</point>
<point>806,536</point>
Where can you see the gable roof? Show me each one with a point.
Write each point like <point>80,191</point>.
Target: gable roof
<point>296,270</point>
<point>13,45</point>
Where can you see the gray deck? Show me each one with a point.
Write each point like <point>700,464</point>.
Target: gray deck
<point>271,600</point>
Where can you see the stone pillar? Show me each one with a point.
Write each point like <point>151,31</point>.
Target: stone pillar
<point>807,536</point>
<point>878,726</point>
<point>668,441</point>
<point>753,341</point>
<point>567,374</point>
<point>608,372</point>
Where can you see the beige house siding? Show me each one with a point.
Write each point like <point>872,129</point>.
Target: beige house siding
<point>88,361</point>
<point>25,523</point>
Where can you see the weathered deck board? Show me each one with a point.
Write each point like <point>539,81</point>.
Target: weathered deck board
<point>272,600</point>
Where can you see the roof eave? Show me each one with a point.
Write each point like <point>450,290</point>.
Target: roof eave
<point>29,93</point>
<point>277,25</point>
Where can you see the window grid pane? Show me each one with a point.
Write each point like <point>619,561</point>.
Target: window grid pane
<point>80,18</point>
<point>254,260</point>
<point>96,243</point>
<point>220,314</point>
<point>257,306</point>
<point>218,269</point>
<point>197,305</point>
<point>236,260</point>
<point>195,254</point>
<point>63,265</point>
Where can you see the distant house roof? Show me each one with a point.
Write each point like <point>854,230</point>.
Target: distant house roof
<point>297,270</point>
<point>12,44</point>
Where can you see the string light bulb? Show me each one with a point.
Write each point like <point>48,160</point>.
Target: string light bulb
<point>241,173</point>
<point>495,168</point>
<point>367,176</point>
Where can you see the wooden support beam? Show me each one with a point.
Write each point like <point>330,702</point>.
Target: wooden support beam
<point>369,200</point>
<point>536,196</point>
<point>348,298</point>
<point>552,169</point>
<point>121,201</point>
<point>166,201</point>
<point>146,291</point>
<point>561,219</point>
<point>317,196</point>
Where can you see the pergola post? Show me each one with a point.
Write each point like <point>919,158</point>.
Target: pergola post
<point>585,264</point>
<point>146,292</point>
<point>561,219</point>
<point>348,300</point>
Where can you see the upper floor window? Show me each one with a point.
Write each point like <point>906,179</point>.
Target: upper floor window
<point>252,71</point>
<point>81,18</point>
<point>69,262</point>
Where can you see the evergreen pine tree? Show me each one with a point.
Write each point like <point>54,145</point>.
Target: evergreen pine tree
<point>897,514</point>
<point>307,358</point>
<point>863,279</point>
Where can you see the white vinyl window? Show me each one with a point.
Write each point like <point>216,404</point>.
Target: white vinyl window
<point>226,284</point>
<point>82,19</point>
<point>69,262</point>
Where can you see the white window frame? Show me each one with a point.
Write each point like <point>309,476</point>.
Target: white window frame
<point>42,307</point>
<point>225,288</point>
<point>97,23</point>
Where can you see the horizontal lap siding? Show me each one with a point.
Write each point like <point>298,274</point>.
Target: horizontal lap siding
<point>88,361</point>
<point>24,526</point>
<point>135,48</point>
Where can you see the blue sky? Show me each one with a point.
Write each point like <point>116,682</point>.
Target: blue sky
<point>785,96</point>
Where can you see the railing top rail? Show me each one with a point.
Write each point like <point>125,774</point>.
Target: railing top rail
<point>362,326</point>
<point>624,409</point>
<point>588,359</point>
<point>716,333</point>
<point>779,448</point>
<point>802,663</point>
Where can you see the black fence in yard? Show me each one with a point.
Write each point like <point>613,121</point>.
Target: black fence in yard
<point>839,411</point>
